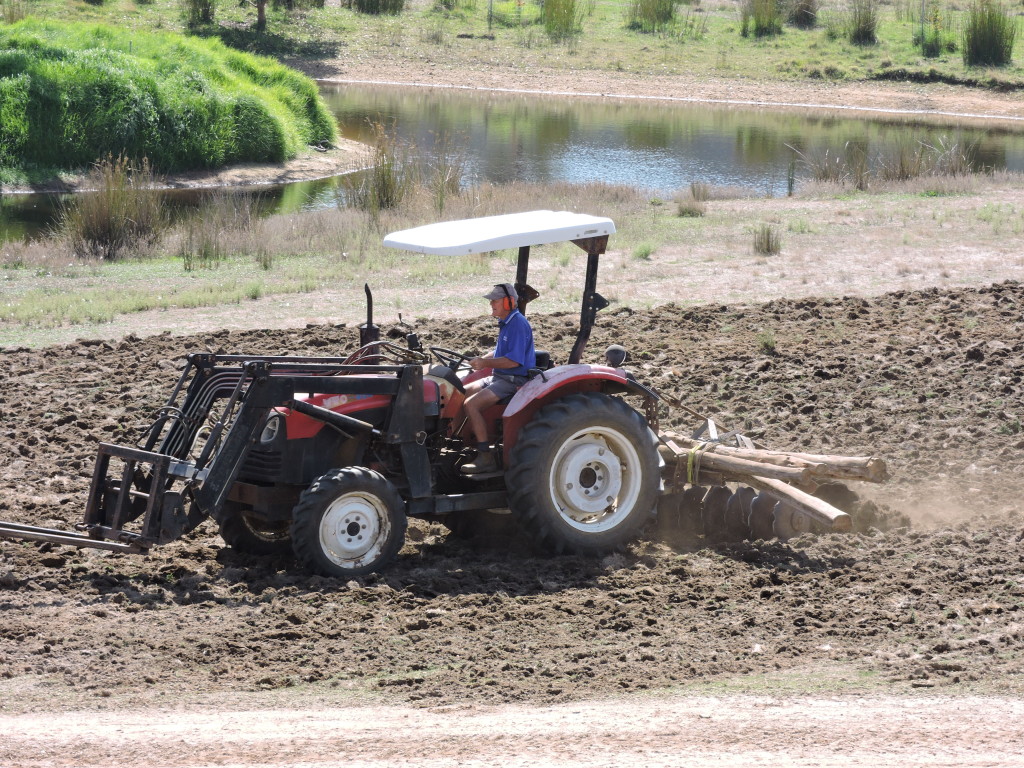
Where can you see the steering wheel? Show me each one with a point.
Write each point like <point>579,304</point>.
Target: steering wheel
<point>451,358</point>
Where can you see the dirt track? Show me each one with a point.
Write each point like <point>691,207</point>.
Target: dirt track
<point>931,381</point>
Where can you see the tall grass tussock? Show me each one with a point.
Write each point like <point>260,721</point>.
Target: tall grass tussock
<point>563,19</point>
<point>989,34</point>
<point>121,213</point>
<point>862,22</point>
<point>760,18</point>
<point>75,92</point>
<point>650,15</point>
<point>767,239</point>
<point>947,157</point>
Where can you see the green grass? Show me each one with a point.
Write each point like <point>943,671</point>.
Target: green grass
<point>74,92</point>
<point>705,38</point>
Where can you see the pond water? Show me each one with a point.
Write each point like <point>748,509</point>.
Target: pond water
<point>662,147</point>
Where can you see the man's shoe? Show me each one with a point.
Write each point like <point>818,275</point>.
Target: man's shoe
<point>483,463</point>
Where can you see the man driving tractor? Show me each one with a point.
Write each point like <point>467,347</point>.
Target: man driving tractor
<point>512,358</point>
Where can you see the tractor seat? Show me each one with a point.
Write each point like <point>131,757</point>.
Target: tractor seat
<point>543,363</point>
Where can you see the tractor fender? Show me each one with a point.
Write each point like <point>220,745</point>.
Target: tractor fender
<point>561,381</point>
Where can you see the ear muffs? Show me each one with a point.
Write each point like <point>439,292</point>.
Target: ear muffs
<point>508,304</point>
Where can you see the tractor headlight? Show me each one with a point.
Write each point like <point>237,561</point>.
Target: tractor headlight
<point>272,429</point>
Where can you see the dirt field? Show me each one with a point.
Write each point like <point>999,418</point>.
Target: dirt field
<point>902,645</point>
<point>669,649</point>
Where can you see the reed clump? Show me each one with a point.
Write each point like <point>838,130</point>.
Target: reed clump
<point>989,35</point>
<point>767,239</point>
<point>563,19</point>
<point>803,14</point>
<point>862,22</point>
<point>760,18</point>
<point>121,214</point>
<point>379,7</point>
<point>945,157</point>
<point>650,15</point>
<point>390,174</point>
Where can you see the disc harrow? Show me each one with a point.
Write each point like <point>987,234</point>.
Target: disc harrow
<point>727,488</point>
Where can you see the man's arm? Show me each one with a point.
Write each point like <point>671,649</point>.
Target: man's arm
<point>499,363</point>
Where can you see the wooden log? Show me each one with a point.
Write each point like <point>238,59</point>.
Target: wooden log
<point>821,466</point>
<point>821,511</point>
<point>734,466</point>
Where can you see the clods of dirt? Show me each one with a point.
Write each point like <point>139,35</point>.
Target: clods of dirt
<point>930,381</point>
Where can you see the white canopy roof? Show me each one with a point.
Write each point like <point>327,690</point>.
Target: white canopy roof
<point>494,233</point>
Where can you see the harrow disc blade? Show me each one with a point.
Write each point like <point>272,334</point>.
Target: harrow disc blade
<point>679,514</point>
<point>713,512</point>
<point>737,513</point>
<point>789,521</point>
<point>762,508</point>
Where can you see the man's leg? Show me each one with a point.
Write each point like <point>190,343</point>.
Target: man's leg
<point>475,405</point>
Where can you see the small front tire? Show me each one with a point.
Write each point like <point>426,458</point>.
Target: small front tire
<point>349,522</point>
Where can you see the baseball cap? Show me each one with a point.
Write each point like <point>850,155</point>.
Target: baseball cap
<point>500,291</point>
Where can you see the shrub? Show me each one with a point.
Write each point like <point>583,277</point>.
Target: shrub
<point>122,212</point>
<point>764,15</point>
<point>643,252</point>
<point>988,35</point>
<point>767,239</point>
<point>650,15</point>
<point>862,25</point>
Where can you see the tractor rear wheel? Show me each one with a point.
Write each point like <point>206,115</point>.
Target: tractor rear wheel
<point>349,522</point>
<point>245,533</point>
<point>585,474</point>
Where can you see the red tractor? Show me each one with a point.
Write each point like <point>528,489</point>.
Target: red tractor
<point>328,457</point>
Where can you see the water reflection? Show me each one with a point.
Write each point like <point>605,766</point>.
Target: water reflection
<point>657,146</point>
<point>662,147</point>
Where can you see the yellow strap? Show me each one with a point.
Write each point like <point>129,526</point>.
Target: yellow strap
<point>691,462</point>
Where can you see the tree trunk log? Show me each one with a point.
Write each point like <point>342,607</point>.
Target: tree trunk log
<point>821,511</point>
<point>819,466</point>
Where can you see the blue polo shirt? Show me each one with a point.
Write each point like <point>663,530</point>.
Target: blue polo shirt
<point>515,341</point>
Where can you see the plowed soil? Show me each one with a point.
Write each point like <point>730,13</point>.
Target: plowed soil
<point>927,597</point>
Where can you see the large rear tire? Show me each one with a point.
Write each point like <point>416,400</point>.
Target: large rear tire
<point>349,522</point>
<point>585,474</point>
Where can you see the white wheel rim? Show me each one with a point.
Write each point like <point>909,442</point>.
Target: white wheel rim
<point>595,479</point>
<point>354,530</point>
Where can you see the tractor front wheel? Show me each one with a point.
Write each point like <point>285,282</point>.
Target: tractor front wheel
<point>349,522</point>
<point>585,474</point>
